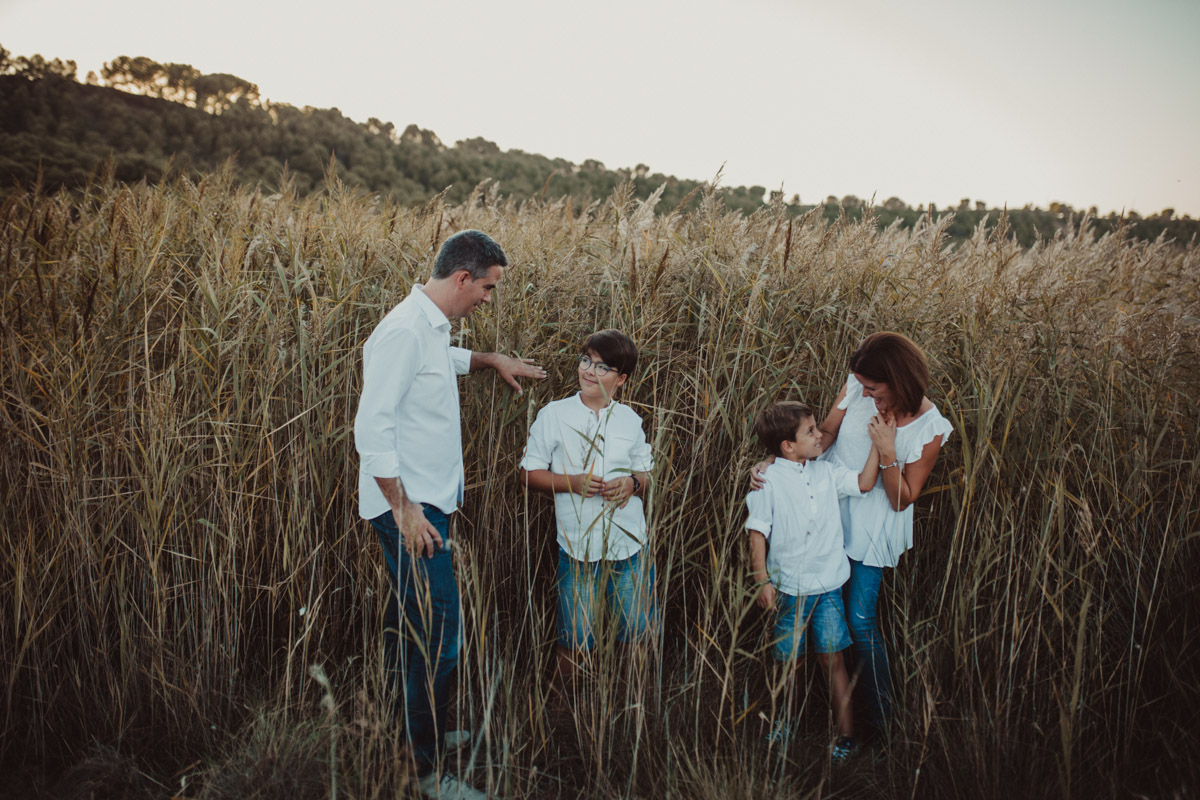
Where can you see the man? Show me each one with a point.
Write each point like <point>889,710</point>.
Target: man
<point>409,439</point>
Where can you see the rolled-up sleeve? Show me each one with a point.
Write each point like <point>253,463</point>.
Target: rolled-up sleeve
<point>846,481</point>
<point>538,448</point>
<point>460,358</point>
<point>759,505</point>
<point>389,367</point>
<point>640,456</point>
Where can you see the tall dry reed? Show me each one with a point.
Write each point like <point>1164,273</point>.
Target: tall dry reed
<point>181,366</point>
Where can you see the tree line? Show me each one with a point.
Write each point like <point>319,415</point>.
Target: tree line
<point>148,121</point>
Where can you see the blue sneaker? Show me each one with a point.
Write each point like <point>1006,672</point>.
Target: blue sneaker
<point>781,731</point>
<point>842,749</point>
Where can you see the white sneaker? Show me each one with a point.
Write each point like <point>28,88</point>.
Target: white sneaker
<point>456,740</point>
<point>447,787</point>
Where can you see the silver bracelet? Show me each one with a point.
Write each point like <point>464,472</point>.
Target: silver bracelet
<point>895,463</point>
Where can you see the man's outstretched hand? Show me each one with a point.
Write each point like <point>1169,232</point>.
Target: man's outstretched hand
<point>510,369</point>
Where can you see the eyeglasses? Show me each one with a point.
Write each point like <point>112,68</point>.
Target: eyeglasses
<point>602,369</point>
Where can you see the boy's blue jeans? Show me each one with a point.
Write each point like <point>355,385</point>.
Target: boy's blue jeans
<point>420,636</point>
<point>870,653</point>
<point>627,586</point>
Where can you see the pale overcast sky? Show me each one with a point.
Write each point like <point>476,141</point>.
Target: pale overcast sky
<point>1091,102</point>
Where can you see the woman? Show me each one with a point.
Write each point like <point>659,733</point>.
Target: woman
<point>888,376</point>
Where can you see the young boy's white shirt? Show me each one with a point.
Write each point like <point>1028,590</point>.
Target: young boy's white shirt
<point>568,438</point>
<point>797,511</point>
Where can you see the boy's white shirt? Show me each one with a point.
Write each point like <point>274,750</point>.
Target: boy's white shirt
<point>797,511</point>
<point>568,438</point>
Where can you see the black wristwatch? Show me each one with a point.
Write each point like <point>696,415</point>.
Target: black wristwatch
<point>636,484</point>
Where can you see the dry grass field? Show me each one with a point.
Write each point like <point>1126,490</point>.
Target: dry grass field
<point>190,607</point>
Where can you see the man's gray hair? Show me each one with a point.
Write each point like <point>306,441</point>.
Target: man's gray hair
<point>474,251</point>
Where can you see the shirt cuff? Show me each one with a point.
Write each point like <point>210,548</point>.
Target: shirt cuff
<point>380,465</point>
<point>760,525</point>
<point>529,463</point>
<point>460,357</point>
<point>848,484</point>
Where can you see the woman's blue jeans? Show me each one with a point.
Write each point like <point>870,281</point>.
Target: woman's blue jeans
<point>870,653</point>
<point>420,636</point>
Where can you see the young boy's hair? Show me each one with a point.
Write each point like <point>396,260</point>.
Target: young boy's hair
<point>778,422</point>
<point>614,348</point>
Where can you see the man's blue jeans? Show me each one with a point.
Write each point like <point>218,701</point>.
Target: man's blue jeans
<point>420,636</point>
<point>870,653</point>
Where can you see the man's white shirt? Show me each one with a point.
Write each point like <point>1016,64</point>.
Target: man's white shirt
<point>408,423</point>
<point>798,511</point>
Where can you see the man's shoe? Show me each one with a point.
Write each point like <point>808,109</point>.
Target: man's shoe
<point>456,740</point>
<point>447,787</point>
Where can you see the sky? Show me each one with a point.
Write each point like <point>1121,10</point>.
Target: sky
<point>1089,103</point>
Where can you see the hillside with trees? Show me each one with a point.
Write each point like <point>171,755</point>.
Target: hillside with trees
<point>146,120</point>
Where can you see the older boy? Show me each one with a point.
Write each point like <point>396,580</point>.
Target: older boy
<point>802,572</point>
<point>589,451</point>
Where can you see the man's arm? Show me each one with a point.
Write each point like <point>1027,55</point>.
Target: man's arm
<point>375,425</point>
<point>507,367</point>
<point>418,533</point>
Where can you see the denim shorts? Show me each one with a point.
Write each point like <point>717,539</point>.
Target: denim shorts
<point>626,587</point>
<point>823,614</point>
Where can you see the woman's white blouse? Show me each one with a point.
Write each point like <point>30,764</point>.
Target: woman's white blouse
<point>876,534</point>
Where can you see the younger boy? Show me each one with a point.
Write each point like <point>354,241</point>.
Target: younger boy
<point>803,571</point>
<point>589,451</point>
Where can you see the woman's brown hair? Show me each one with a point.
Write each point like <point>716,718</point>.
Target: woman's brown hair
<point>894,359</point>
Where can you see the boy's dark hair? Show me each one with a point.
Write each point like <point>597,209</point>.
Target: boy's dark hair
<point>474,251</point>
<point>614,348</point>
<point>894,359</point>
<point>778,423</point>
